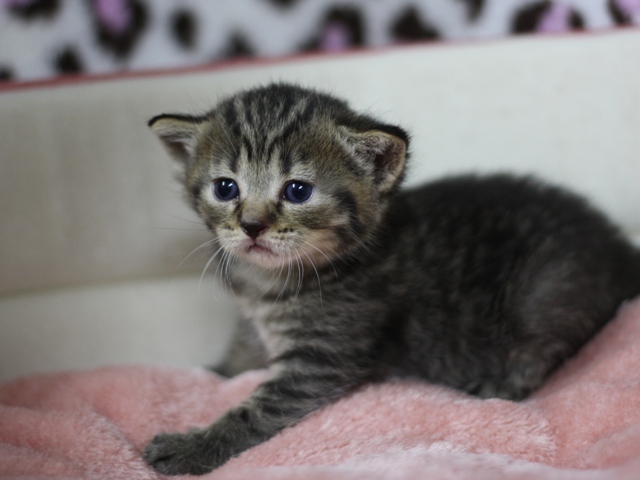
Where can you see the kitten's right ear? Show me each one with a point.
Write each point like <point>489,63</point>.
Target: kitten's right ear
<point>178,133</point>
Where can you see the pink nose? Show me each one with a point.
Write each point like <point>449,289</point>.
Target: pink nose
<point>253,229</point>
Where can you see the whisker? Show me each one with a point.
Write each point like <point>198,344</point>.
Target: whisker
<point>220,271</point>
<point>317,276</point>
<point>223,271</point>
<point>325,256</point>
<point>205,244</point>
<point>229,269</point>
<point>180,229</point>
<point>300,274</point>
<point>277,277</point>
<point>286,281</point>
<point>207,266</point>
<point>186,220</point>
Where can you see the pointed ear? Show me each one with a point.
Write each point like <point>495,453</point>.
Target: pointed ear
<point>385,152</point>
<point>178,133</point>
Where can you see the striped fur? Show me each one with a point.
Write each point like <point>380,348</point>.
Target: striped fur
<point>482,284</point>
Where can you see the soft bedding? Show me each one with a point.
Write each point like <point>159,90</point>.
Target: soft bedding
<point>583,424</point>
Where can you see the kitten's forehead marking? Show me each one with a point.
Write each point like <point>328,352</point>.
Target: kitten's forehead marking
<point>258,179</point>
<point>267,122</point>
<point>264,129</point>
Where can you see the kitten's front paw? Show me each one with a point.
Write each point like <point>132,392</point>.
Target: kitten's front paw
<point>179,454</point>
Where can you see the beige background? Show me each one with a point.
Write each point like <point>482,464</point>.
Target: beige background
<point>93,229</point>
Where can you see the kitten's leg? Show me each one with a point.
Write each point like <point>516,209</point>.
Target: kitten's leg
<point>527,369</point>
<point>554,314</point>
<point>247,352</point>
<point>302,381</point>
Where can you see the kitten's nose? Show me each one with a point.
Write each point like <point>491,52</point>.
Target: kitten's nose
<point>253,229</point>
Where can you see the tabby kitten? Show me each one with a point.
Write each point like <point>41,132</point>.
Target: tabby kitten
<point>484,284</point>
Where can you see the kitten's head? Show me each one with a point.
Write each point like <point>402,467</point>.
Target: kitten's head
<point>281,173</point>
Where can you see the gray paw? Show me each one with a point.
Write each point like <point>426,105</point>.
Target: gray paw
<point>179,454</point>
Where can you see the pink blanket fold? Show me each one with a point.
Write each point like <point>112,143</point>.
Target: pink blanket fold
<point>583,424</point>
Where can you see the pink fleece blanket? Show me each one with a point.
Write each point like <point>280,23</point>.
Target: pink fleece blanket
<point>583,424</point>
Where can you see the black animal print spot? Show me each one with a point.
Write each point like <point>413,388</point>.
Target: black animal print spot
<point>5,73</point>
<point>119,33</point>
<point>238,47</point>
<point>341,28</point>
<point>534,17</point>
<point>619,16</point>
<point>184,28</point>
<point>68,62</point>
<point>349,18</point>
<point>474,8</point>
<point>576,20</point>
<point>284,3</point>
<point>409,27</point>
<point>527,19</point>
<point>311,45</point>
<point>36,9</point>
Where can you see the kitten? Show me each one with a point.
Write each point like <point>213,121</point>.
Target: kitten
<point>484,284</point>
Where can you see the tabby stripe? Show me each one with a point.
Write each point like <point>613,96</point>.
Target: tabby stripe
<point>293,410</point>
<point>322,376</point>
<point>237,210</point>
<point>308,334</point>
<point>195,189</point>
<point>354,167</point>
<point>279,388</point>
<point>275,409</point>
<point>286,393</point>
<point>271,148</point>
<point>249,117</point>
<point>343,234</point>
<point>287,105</point>
<point>246,415</point>
<point>313,355</point>
<point>347,200</point>
<point>240,110</point>
<point>247,146</point>
<point>230,116</point>
<point>233,164</point>
<point>259,144</point>
<point>309,110</point>
<point>258,106</point>
<point>285,163</point>
<point>286,132</point>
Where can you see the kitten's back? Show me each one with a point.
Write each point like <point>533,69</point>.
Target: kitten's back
<point>517,276</point>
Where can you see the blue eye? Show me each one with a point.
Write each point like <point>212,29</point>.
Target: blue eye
<point>226,189</point>
<point>297,192</point>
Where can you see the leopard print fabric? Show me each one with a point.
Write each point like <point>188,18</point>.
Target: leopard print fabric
<point>42,39</point>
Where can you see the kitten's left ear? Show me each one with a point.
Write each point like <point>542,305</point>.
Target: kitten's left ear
<point>384,150</point>
<point>178,133</point>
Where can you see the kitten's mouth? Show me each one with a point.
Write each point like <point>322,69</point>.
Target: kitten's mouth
<point>262,255</point>
<point>261,249</point>
<point>255,248</point>
<point>260,252</point>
